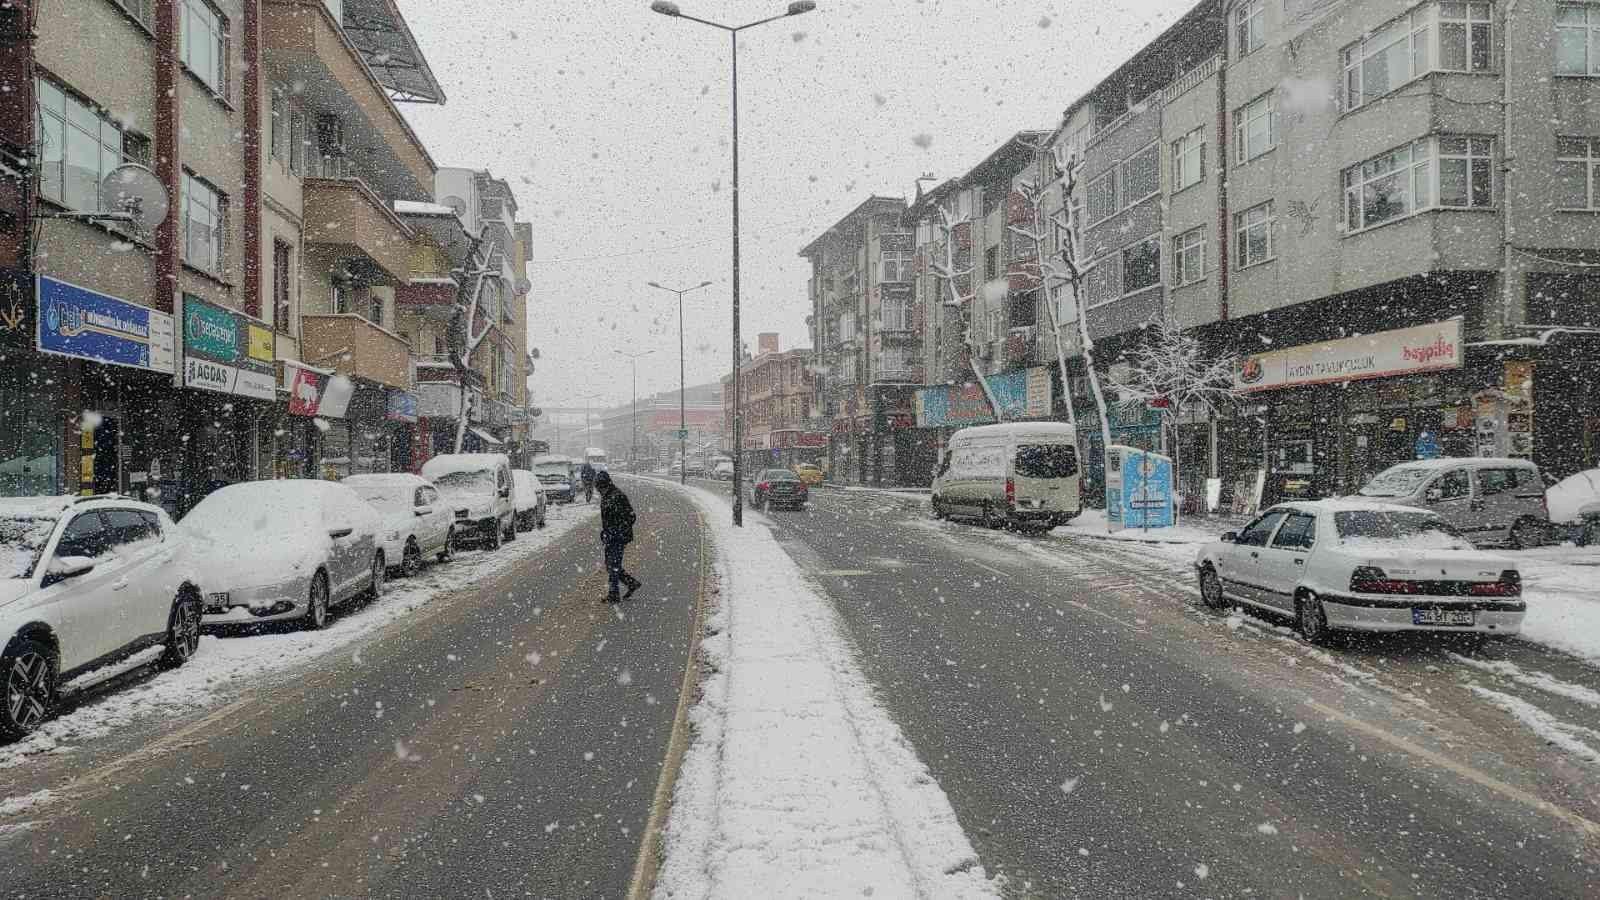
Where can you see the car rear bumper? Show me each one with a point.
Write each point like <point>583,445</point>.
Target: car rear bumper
<point>1369,614</point>
<point>265,603</point>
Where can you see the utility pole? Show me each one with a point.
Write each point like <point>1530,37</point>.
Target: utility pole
<point>633,451</point>
<point>683,421</point>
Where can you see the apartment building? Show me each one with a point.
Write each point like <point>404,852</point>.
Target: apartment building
<point>1386,211</point>
<point>643,433</point>
<point>865,334</point>
<point>777,407</point>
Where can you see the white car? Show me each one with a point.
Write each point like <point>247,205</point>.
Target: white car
<point>287,549</point>
<point>1362,566</point>
<point>531,504</point>
<point>723,470</point>
<point>417,524</point>
<point>88,581</point>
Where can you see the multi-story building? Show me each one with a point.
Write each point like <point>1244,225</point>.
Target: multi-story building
<point>778,407</point>
<point>865,336</point>
<point>644,432</point>
<point>1384,211</point>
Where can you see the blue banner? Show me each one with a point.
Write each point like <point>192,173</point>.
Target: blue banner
<point>1146,490</point>
<point>75,321</point>
<point>956,405</point>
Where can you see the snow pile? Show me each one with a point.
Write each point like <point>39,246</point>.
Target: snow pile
<point>797,782</point>
<point>1567,736</point>
<point>1092,523</point>
<point>1570,495</point>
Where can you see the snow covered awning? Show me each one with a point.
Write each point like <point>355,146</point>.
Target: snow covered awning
<point>487,438</point>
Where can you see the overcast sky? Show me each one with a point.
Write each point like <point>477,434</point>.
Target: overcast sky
<point>612,125</point>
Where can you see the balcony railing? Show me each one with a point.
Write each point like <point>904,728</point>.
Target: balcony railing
<point>355,347</point>
<point>1190,80</point>
<point>345,213</point>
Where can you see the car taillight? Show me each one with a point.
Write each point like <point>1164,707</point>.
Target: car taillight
<point>761,486</point>
<point>1373,580</point>
<point>1509,585</point>
<point>1011,492</point>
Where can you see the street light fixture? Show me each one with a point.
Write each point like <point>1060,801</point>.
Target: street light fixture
<point>633,449</point>
<point>667,8</point>
<point>683,422</point>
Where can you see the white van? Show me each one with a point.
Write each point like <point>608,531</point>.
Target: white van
<point>481,493</point>
<point>1492,501</point>
<point>1022,474</point>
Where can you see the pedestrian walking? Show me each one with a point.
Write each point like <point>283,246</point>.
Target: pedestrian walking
<point>616,533</point>
<point>586,473</point>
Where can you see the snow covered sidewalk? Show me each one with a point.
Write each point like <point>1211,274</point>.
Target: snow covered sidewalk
<point>797,783</point>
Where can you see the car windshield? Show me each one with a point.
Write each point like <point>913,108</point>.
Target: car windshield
<point>465,483</point>
<point>1399,482</point>
<point>1400,528</point>
<point>552,471</point>
<point>22,540</point>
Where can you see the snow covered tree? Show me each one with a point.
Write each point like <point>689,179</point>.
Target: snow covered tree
<point>1172,372</point>
<point>465,334</point>
<point>957,299</point>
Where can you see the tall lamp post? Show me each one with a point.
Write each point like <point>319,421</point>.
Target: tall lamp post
<point>633,450</point>
<point>683,420</point>
<point>667,8</point>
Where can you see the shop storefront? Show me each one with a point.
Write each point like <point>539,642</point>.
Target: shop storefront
<point>316,400</point>
<point>227,415</point>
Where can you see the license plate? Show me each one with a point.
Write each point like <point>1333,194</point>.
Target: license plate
<point>1443,617</point>
<point>217,601</point>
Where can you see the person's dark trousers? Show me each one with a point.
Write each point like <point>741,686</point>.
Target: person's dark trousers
<point>614,570</point>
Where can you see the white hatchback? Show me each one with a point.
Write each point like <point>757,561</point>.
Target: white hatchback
<point>88,581</point>
<point>417,523</point>
<point>1362,566</point>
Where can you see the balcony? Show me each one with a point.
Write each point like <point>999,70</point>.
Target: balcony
<point>344,214</point>
<point>304,45</point>
<point>355,347</point>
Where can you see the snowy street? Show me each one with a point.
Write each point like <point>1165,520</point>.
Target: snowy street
<point>1098,733</point>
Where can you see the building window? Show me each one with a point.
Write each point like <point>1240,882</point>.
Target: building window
<point>1578,173</point>
<point>991,263</point>
<point>1189,257</point>
<point>282,282</point>
<point>1141,175</point>
<point>996,320</point>
<point>140,10</point>
<point>894,362</point>
<point>847,328</point>
<point>205,218</point>
<point>78,147</point>
<point>1577,39</point>
<point>375,309</point>
<point>1188,160</point>
<point>203,45</point>
<point>1255,127</point>
<point>894,265</point>
<point>896,314</point>
<point>279,127</point>
<point>1252,235</point>
<point>847,368</point>
<point>1141,265</point>
<point>1411,46</point>
<point>1103,197</point>
<point>1249,27</point>
<point>1405,180</point>
<point>297,142</point>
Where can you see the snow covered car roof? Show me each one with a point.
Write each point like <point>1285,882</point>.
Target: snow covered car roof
<point>1453,462</point>
<point>385,479</point>
<point>1350,504</point>
<point>1574,496</point>
<point>451,463</point>
<point>54,505</point>
<point>551,459</point>
<point>1051,429</point>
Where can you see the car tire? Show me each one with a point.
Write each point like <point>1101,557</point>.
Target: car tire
<point>1211,589</point>
<point>316,617</point>
<point>511,530</point>
<point>938,509</point>
<point>183,630</point>
<point>29,668</point>
<point>448,552</point>
<point>492,542</point>
<point>1312,620</point>
<point>380,576</point>
<point>990,520</point>
<point>1525,533</point>
<point>410,559</point>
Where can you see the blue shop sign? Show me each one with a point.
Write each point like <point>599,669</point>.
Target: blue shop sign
<point>75,321</point>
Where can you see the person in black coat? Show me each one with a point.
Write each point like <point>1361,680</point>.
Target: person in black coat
<point>616,533</point>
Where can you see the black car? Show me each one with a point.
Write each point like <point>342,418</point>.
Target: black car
<point>779,487</point>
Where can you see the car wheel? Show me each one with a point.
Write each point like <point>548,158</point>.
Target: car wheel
<point>380,574</point>
<point>183,630</point>
<point>1211,589</point>
<point>511,530</point>
<point>492,542</point>
<point>1312,619</point>
<point>448,552</point>
<point>1526,533</point>
<point>30,687</point>
<point>990,520</point>
<point>938,509</point>
<point>411,561</point>
<point>317,604</point>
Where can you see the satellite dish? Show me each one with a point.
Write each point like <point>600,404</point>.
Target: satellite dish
<point>456,204</point>
<point>524,285</point>
<point>135,191</point>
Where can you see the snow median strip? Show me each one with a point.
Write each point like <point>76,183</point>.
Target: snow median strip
<point>797,782</point>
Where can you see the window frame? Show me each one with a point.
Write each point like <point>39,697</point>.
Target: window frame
<point>1591,164</point>
<point>901,321</point>
<point>1189,146</point>
<point>1153,240</point>
<point>1114,207</point>
<point>1153,149</point>
<point>1425,25</point>
<point>1305,541</point>
<point>1180,275</point>
<point>1591,45</point>
<point>282,285</point>
<point>74,107</point>
<point>1243,118</point>
<point>1241,226</point>
<point>218,267</point>
<point>1249,24</point>
<point>1427,158</point>
<point>193,13</point>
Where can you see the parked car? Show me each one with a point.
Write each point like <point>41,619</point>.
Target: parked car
<point>779,487</point>
<point>286,549</point>
<point>531,506</point>
<point>417,524</point>
<point>722,470</point>
<point>556,475</point>
<point>88,581</point>
<point>1022,474</point>
<point>1362,565</point>
<point>481,494</point>
<point>1494,502</point>
<point>810,473</point>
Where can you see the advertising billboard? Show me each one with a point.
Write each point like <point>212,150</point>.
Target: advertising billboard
<point>75,321</point>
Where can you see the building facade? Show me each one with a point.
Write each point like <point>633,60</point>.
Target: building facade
<point>778,408</point>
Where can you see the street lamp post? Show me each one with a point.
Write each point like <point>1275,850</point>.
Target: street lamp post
<point>633,446</point>
<point>683,422</point>
<point>667,8</point>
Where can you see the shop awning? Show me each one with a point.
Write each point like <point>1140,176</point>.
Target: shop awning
<point>487,438</point>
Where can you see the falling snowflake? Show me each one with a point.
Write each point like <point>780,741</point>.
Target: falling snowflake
<point>922,140</point>
<point>1069,785</point>
<point>1267,828</point>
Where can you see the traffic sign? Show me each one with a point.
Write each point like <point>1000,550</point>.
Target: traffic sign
<point>683,434</point>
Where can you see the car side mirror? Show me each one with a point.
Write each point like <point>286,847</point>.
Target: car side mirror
<point>1434,494</point>
<point>337,533</point>
<point>1230,537</point>
<point>62,568</point>
<point>424,510</point>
